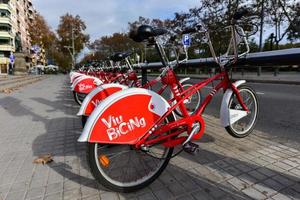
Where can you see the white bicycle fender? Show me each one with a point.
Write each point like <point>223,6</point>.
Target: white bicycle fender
<point>184,79</point>
<point>74,75</point>
<point>224,111</point>
<point>77,80</point>
<point>160,108</point>
<point>97,81</point>
<point>94,92</point>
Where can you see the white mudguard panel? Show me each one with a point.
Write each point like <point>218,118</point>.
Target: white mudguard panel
<point>96,96</point>
<point>224,111</point>
<point>124,117</point>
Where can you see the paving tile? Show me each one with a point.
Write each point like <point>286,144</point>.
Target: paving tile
<point>257,175</point>
<point>109,196</point>
<point>283,180</point>
<point>266,190</point>
<point>202,195</point>
<point>35,192</point>
<point>237,183</point>
<point>146,196</point>
<point>163,194</point>
<point>255,194</point>
<point>55,196</point>
<point>15,195</point>
<point>280,197</point>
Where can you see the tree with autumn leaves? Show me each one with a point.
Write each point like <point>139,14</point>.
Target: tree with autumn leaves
<point>55,43</point>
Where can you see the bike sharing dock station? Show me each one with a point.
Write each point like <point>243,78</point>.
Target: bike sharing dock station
<point>127,120</point>
<point>133,138</point>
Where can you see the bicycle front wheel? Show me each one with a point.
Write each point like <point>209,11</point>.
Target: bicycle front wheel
<point>245,125</point>
<point>122,168</point>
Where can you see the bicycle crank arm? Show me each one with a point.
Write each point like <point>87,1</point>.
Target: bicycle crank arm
<point>195,130</point>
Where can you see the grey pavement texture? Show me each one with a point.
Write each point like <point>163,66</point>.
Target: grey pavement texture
<point>9,82</point>
<point>40,118</point>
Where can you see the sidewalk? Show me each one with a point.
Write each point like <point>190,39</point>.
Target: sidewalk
<point>11,83</point>
<point>41,118</point>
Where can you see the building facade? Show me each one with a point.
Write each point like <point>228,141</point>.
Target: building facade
<point>15,18</point>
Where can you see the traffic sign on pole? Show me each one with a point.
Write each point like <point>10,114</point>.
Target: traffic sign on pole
<point>186,40</point>
<point>12,58</point>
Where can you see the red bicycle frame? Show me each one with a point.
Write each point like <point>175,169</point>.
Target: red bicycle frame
<point>186,123</point>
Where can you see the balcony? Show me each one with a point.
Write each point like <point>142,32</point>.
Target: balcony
<point>5,20</point>
<point>5,7</point>
<point>30,16</point>
<point>6,34</point>
<point>7,47</point>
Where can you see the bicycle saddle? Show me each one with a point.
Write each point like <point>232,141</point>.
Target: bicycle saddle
<point>120,56</point>
<point>144,32</point>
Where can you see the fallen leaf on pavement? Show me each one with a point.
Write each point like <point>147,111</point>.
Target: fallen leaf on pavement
<point>43,159</point>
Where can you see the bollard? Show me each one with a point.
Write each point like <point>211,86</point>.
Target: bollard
<point>259,71</point>
<point>144,76</point>
<point>276,71</point>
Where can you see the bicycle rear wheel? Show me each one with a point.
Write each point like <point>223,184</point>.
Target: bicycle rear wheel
<point>79,97</point>
<point>245,125</point>
<point>122,168</point>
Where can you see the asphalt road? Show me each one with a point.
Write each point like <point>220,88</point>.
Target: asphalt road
<point>279,115</point>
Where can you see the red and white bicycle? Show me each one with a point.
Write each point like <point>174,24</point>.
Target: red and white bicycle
<point>131,134</point>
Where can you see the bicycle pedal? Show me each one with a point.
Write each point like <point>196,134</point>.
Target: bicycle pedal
<point>191,148</point>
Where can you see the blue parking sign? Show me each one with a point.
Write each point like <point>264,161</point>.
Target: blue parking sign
<point>12,58</point>
<point>186,40</point>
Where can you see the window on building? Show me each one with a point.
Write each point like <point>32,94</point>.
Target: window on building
<point>4,41</point>
<point>5,27</point>
<point>4,13</point>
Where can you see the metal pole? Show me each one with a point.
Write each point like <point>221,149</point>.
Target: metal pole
<point>144,74</point>
<point>73,48</point>
<point>259,71</point>
<point>261,25</point>
<point>261,32</point>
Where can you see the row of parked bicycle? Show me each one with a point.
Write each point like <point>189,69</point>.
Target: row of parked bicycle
<point>132,130</point>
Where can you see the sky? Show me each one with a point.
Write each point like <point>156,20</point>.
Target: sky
<point>104,17</point>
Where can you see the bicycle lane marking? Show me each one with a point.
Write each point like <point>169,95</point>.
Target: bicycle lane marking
<point>260,93</point>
